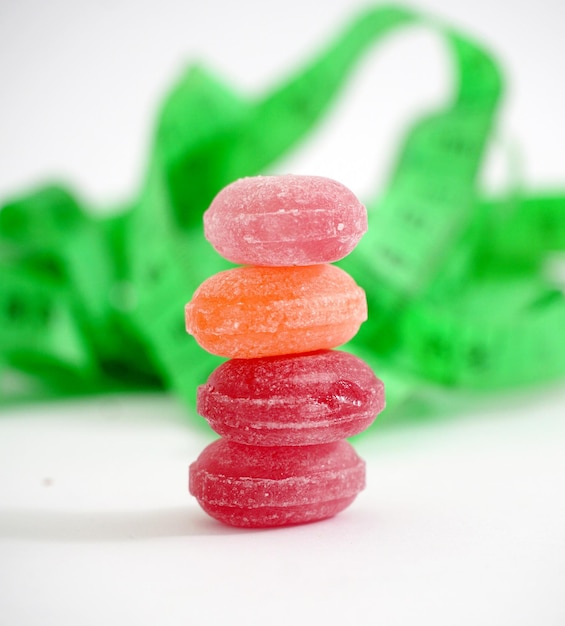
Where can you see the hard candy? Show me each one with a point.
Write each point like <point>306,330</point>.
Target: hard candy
<point>258,486</point>
<point>249,312</point>
<point>291,400</point>
<point>285,220</point>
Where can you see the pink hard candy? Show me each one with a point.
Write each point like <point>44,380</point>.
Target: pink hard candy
<point>285,220</point>
<point>291,400</point>
<point>258,486</point>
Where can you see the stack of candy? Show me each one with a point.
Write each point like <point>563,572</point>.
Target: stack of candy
<point>286,400</point>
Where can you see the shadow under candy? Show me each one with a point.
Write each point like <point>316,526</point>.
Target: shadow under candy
<point>29,524</point>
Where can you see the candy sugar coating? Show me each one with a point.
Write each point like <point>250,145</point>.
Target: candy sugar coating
<point>291,400</point>
<point>285,220</point>
<point>249,312</point>
<point>258,486</point>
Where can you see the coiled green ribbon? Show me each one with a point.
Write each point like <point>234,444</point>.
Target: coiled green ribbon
<point>457,283</point>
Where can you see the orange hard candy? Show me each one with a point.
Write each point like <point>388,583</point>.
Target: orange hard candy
<point>249,312</point>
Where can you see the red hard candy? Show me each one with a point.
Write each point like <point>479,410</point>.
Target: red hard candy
<point>291,400</point>
<point>258,486</point>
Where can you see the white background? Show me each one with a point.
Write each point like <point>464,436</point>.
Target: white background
<point>463,518</point>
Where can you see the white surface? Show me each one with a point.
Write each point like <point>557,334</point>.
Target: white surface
<point>462,523</point>
<point>463,518</point>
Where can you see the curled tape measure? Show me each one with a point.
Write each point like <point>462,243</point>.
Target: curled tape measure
<point>31,302</point>
<point>456,283</point>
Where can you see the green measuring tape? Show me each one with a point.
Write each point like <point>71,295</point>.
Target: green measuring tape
<point>457,283</point>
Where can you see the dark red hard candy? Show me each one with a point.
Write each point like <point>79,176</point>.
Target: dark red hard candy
<point>291,400</point>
